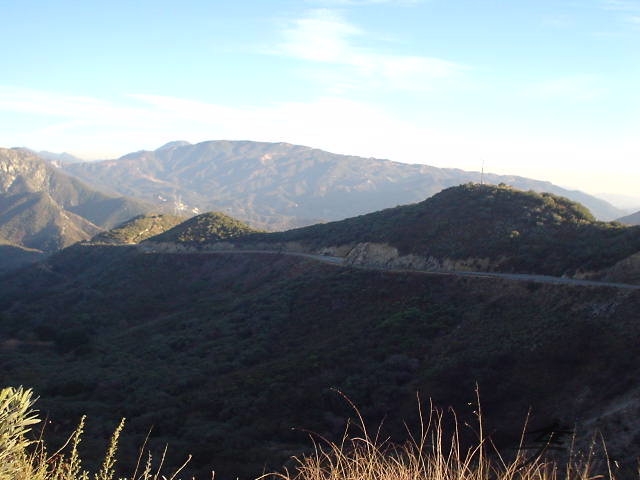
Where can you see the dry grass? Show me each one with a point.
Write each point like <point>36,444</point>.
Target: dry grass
<point>429,455</point>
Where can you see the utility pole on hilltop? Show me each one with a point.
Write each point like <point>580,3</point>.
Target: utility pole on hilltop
<point>482,174</point>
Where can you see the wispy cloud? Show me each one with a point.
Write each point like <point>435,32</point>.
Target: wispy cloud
<point>325,37</point>
<point>92,127</point>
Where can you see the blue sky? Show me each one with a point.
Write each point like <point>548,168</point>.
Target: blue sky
<point>546,89</point>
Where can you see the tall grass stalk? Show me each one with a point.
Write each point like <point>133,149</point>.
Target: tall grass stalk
<point>430,454</point>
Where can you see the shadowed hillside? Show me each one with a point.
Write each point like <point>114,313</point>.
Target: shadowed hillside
<point>14,256</point>
<point>224,354</point>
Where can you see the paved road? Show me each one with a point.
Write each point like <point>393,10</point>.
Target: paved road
<point>522,277</point>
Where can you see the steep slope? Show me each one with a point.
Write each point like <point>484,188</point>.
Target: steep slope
<point>21,171</point>
<point>232,357</point>
<point>35,220</point>
<point>205,228</point>
<point>472,227</point>
<point>138,229</point>
<point>633,219</point>
<point>279,186</point>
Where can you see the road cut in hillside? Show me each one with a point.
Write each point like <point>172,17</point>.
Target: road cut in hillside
<point>340,261</point>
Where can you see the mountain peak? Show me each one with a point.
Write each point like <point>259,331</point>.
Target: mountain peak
<point>174,144</point>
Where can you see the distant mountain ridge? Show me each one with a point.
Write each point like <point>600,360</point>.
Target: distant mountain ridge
<point>45,209</point>
<point>279,185</point>
<point>57,159</point>
<point>22,171</point>
<point>633,219</point>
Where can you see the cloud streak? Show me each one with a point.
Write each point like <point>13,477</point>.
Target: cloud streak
<point>94,128</point>
<point>324,37</point>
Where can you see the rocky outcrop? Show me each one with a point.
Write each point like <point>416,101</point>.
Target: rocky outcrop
<point>374,255</point>
<point>382,255</point>
<point>625,271</point>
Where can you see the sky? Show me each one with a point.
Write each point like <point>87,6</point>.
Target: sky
<point>548,89</point>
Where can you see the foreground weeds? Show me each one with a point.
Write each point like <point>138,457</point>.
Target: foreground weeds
<point>429,455</point>
<point>24,459</point>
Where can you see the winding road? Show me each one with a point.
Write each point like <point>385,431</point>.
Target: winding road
<point>521,277</point>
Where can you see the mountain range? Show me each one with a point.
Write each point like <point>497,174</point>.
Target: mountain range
<point>276,186</point>
<point>45,209</point>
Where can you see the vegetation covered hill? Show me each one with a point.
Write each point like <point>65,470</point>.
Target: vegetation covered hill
<point>633,219</point>
<point>205,228</point>
<point>231,357</point>
<point>138,229</point>
<point>278,185</point>
<point>515,230</point>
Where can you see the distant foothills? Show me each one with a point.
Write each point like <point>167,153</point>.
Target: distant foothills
<point>49,201</point>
